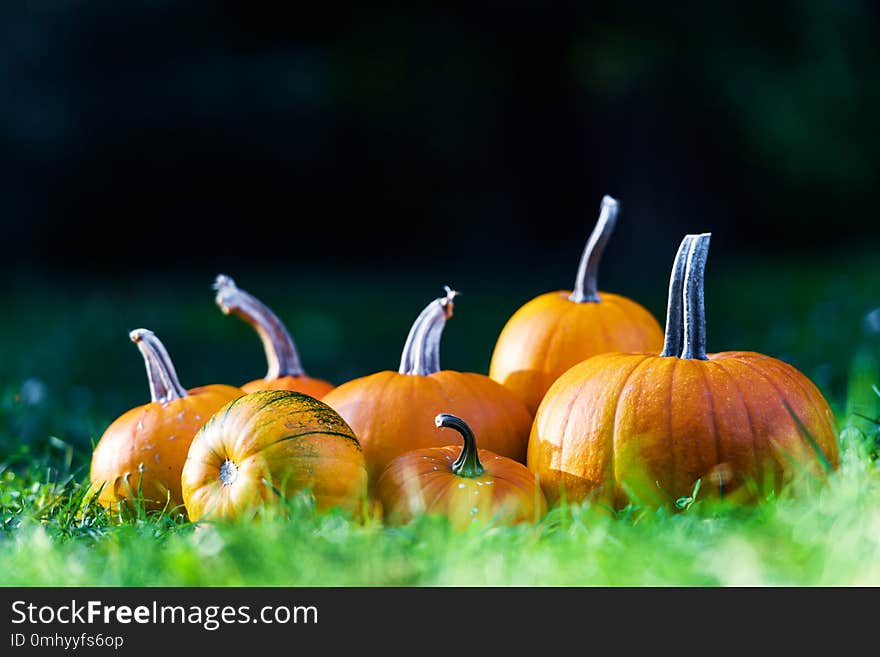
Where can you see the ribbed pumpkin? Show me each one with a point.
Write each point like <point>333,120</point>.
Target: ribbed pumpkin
<point>646,427</point>
<point>267,445</point>
<point>285,370</point>
<point>468,485</point>
<point>393,412</point>
<point>556,330</point>
<point>141,454</point>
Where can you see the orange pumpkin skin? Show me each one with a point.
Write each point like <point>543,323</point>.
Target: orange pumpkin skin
<point>617,423</point>
<point>146,448</point>
<point>316,388</point>
<point>393,413</point>
<point>422,482</point>
<point>557,330</point>
<point>267,445</point>
<point>644,428</point>
<point>551,333</point>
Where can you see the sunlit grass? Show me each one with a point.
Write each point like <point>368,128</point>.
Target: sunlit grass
<point>810,534</point>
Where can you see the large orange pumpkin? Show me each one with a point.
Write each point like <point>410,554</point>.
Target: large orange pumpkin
<point>141,454</point>
<point>558,329</point>
<point>468,485</point>
<point>646,427</point>
<point>285,370</point>
<point>393,412</point>
<point>262,447</point>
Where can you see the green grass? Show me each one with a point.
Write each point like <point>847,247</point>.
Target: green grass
<point>68,370</point>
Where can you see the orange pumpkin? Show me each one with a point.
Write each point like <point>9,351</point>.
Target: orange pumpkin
<point>285,370</point>
<point>141,454</point>
<point>260,448</point>
<point>556,330</point>
<point>646,427</point>
<point>467,485</point>
<point>392,412</point>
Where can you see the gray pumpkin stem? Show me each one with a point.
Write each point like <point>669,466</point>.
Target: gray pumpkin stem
<point>586,284</point>
<point>421,352</point>
<point>674,335</point>
<point>694,304</point>
<point>280,349</point>
<point>164,384</point>
<point>685,335</point>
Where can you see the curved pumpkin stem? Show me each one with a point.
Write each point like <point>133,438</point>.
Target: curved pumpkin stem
<point>674,335</point>
<point>164,384</point>
<point>280,350</point>
<point>586,285</point>
<point>468,462</point>
<point>694,305</point>
<point>421,352</point>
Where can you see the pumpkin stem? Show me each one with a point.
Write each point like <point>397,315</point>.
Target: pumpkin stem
<point>279,347</point>
<point>694,306</point>
<point>468,462</point>
<point>164,384</point>
<point>674,335</point>
<point>586,284</point>
<point>421,352</point>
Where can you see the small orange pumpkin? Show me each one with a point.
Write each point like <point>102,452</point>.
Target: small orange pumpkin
<point>646,427</point>
<point>262,447</point>
<point>141,454</point>
<point>556,330</point>
<point>392,412</point>
<point>467,485</point>
<point>285,370</point>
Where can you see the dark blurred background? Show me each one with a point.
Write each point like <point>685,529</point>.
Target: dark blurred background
<point>344,160</point>
<point>140,133</point>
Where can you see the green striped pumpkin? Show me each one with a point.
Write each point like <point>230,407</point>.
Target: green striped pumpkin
<point>267,445</point>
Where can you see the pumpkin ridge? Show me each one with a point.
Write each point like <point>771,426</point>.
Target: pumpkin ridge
<point>229,407</point>
<point>549,343</point>
<point>612,447</point>
<point>211,449</point>
<point>673,367</point>
<point>432,492</point>
<point>564,428</point>
<point>715,433</point>
<point>239,462</point>
<point>810,391</point>
<point>400,477</point>
<point>371,418</point>
<point>748,415</point>
<point>441,388</point>
<point>574,400</point>
<point>205,463</point>
<point>795,420</point>
<point>603,328</point>
<point>273,397</point>
<point>501,475</point>
<point>609,300</point>
<point>319,413</point>
<point>322,432</point>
